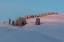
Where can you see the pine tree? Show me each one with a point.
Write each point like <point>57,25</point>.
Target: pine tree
<point>9,21</point>
<point>37,21</point>
<point>13,22</point>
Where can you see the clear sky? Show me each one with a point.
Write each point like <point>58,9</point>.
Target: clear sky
<point>15,8</point>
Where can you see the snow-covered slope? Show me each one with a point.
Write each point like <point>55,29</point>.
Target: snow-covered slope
<point>14,35</point>
<point>50,30</point>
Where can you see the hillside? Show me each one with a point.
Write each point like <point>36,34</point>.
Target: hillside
<point>50,30</point>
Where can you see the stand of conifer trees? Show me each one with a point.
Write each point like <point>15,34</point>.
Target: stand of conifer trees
<point>21,21</point>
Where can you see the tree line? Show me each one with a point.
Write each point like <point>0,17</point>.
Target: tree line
<point>21,21</point>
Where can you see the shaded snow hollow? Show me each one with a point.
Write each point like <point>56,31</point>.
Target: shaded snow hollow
<point>50,30</point>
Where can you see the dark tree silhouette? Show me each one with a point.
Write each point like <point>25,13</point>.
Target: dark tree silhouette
<point>37,21</point>
<point>25,22</point>
<point>9,21</point>
<point>20,21</point>
<point>16,22</point>
<point>13,22</point>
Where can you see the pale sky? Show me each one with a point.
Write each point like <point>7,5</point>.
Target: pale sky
<point>15,8</point>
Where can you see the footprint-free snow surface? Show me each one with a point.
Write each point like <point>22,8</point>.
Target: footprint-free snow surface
<point>50,30</point>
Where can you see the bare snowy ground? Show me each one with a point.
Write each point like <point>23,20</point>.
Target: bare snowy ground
<point>50,30</point>
<point>15,35</point>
